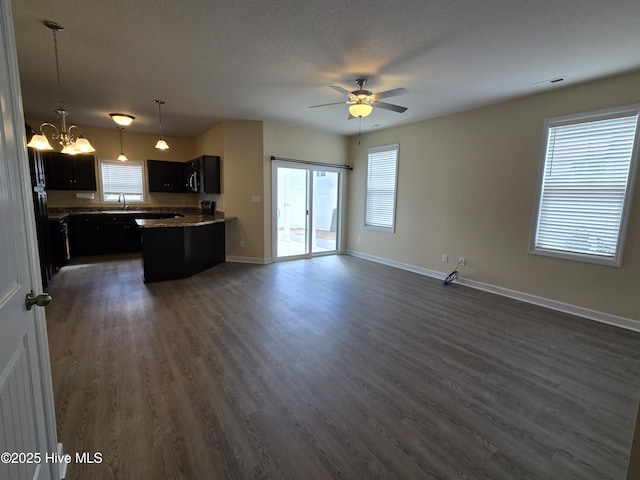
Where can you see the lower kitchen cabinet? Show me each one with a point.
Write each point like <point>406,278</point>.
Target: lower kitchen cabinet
<point>95,234</point>
<point>173,252</point>
<point>84,235</point>
<point>120,234</point>
<point>59,240</point>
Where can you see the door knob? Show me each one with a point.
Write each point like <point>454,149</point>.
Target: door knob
<point>41,300</point>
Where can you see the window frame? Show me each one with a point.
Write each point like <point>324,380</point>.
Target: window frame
<point>372,150</point>
<point>614,260</point>
<point>118,162</point>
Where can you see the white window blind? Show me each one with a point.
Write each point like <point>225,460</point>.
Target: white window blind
<point>586,186</point>
<point>122,178</point>
<point>382,173</point>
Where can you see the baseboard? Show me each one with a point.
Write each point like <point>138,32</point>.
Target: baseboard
<point>602,317</point>
<point>254,260</point>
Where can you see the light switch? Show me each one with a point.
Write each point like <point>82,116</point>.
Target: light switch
<point>255,198</point>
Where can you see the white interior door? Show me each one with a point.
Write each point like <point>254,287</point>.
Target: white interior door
<point>27,423</point>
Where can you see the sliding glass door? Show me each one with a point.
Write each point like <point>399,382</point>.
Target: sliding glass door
<point>307,203</point>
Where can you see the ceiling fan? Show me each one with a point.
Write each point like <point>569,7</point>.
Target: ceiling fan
<point>361,101</point>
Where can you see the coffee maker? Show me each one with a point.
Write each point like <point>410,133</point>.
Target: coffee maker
<point>208,207</point>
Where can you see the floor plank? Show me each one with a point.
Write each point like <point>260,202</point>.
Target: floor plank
<point>331,368</point>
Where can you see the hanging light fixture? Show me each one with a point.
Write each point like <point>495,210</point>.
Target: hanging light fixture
<point>122,157</point>
<point>362,105</point>
<point>360,109</point>
<point>122,119</point>
<point>71,144</point>
<point>161,144</point>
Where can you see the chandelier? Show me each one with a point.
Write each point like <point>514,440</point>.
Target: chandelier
<point>72,143</point>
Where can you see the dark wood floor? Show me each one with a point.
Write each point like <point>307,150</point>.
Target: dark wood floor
<point>331,368</point>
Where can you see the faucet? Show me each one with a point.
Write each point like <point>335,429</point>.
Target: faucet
<point>124,201</point>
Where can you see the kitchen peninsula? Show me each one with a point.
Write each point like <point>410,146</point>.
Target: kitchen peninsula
<point>174,248</point>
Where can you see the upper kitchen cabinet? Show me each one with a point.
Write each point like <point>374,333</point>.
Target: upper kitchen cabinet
<point>202,174</point>
<point>165,176</point>
<point>210,174</point>
<point>69,172</point>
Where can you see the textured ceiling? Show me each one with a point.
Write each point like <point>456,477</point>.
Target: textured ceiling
<point>211,60</point>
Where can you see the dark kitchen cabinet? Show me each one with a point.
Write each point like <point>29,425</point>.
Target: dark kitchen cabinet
<point>98,233</point>
<point>69,172</point>
<point>165,176</point>
<point>210,174</point>
<point>84,172</point>
<point>101,232</point>
<point>120,234</point>
<point>85,235</point>
<point>169,253</point>
<point>59,238</point>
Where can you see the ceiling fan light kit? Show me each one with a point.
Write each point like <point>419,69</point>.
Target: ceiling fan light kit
<point>360,109</point>
<point>361,102</point>
<point>72,144</point>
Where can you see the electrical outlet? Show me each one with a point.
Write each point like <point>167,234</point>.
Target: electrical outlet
<point>445,258</point>
<point>462,260</point>
<point>241,243</point>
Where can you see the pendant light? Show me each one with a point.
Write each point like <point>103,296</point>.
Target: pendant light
<point>122,120</point>
<point>72,144</point>
<point>161,144</point>
<point>122,157</point>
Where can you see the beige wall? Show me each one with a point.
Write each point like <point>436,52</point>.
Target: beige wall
<point>295,143</point>
<point>239,143</point>
<point>467,187</point>
<point>246,148</point>
<point>137,146</point>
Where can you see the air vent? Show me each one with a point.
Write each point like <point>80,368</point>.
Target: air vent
<point>549,82</point>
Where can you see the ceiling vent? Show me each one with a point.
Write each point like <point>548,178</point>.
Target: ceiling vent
<point>546,83</point>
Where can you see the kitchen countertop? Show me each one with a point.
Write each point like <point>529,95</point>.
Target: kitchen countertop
<point>56,213</point>
<point>186,221</point>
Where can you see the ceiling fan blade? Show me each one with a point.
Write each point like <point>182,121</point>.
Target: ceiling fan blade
<point>388,106</point>
<point>392,93</point>
<point>327,104</point>
<point>339,89</point>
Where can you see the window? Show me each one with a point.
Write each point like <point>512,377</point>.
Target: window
<point>382,175</point>
<point>589,161</point>
<point>121,178</point>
